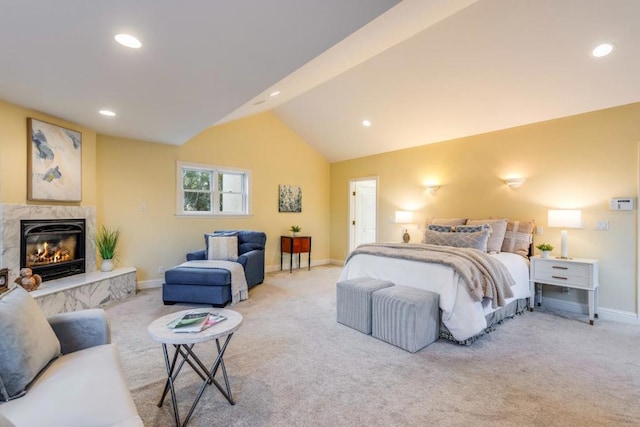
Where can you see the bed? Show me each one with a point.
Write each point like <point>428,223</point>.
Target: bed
<point>464,317</point>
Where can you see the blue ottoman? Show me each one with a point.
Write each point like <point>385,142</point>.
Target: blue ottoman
<point>197,285</point>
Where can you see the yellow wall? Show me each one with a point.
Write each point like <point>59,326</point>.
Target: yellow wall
<point>577,162</point>
<point>13,155</point>
<point>135,173</point>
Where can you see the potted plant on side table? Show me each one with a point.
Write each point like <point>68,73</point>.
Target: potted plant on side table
<point>295,229</point>
<point>106,241</point>
<point>545,249</point>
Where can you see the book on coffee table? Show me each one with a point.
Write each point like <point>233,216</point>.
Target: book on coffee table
<point>213,319</point>
<point>195,321</point>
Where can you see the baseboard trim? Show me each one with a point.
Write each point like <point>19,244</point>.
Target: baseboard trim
<point>150,284</point>
<point>603,312</point>
<point>157,283</point>
<point>285,265</point>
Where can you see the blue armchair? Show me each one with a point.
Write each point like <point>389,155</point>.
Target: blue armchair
<point>250,254</point>
<point>213,286</point>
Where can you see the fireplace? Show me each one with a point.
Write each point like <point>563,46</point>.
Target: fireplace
<point>53,248</point>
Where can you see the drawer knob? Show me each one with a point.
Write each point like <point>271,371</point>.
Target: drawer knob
<point>557,267</point>
<point>559,277</point>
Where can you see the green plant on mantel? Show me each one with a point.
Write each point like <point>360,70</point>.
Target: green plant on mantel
<point>106,241</point>
<point>545,247</point>
<point>295,229</point>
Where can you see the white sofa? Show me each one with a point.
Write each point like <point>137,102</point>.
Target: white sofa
<point>83,386</point>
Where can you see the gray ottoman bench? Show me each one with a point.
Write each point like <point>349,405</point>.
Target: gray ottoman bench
<point>406,317</point>
<point>353,301</point>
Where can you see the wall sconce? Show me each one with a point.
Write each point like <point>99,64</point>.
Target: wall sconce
<point>565,218</point>
<point>514,182</point>
<point>432,188</point>
<point>404,217</point>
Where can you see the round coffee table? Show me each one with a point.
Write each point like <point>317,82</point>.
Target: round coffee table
<point>183,343</point>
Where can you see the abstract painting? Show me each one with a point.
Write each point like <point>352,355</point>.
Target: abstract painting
<point>290,198</point>
<point>54,162</point>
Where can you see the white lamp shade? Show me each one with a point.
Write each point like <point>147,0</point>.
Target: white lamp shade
<point>565,218</point>
<point>404,217</point>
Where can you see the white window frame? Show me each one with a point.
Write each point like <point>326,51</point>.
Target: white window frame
<point>215,192</point>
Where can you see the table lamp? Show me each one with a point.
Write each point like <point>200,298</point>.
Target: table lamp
<point>564,218</point>
<point>404,217</point>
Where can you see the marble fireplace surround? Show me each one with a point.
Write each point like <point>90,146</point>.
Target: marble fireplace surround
<point>87,290</point>
<point>11,215</point>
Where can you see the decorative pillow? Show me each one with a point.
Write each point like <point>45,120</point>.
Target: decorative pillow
<point>498,229</point>
<point>217,233</point>
<point>449,221</point>
<point>223,248</point>
<point>473,228</point>
<point>477,240</point>
<point>518,237</point>
<point>27,342</point>
<point>440,228</point>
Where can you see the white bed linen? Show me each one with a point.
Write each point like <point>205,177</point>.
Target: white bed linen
<point>463,317</point>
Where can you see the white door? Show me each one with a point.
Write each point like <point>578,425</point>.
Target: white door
<point>363,208</point>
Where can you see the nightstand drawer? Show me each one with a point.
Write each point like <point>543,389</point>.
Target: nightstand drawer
<point>571,274</point>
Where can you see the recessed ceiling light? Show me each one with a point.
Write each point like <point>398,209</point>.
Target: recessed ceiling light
<point>128,41</point>
<point>602,49</point>
<point>276,93</point>
<point>108,113</point>
<point>262,101</point>
<point>366,123</point>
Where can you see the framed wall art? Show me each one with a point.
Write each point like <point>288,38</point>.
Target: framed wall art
<point>54,162</point>
<point>290,199</point>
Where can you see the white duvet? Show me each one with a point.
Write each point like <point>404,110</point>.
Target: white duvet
<point>463,317</point>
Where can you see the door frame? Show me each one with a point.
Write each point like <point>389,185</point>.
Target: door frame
<point>350,219</point>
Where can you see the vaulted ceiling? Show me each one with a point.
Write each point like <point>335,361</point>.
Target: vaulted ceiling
<point>421,71</point>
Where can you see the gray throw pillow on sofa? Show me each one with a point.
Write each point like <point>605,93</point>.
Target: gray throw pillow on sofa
<point>27,342</point>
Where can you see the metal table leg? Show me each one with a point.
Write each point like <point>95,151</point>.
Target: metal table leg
<point>207,375</point>
<point>170,382</point>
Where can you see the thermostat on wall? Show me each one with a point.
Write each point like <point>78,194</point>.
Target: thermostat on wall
<point>621,204</point>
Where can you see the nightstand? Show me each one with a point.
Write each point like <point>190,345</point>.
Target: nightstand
<point>577,273</point>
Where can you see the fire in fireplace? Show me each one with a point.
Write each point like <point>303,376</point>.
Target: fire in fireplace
<point>53,248</point>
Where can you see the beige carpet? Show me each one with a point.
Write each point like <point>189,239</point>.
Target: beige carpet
<point>291,364</point>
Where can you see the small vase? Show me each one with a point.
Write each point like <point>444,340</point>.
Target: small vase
<point>107,265</point>
<point>545,254</point>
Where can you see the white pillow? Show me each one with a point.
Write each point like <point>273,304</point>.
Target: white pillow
<point>498,230</point>
<point>223,248</point>
<point>27,342</point>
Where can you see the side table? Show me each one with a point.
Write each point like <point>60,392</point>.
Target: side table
<point>577,273</point>
<point>295,245</point>
<point>183,343</point>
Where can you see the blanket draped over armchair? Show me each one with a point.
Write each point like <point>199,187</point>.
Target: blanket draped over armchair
<point>239,287</point>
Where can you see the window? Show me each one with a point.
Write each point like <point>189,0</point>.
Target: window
<point>212,190</point>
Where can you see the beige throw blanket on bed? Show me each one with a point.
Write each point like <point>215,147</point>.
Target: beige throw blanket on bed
<point>485,276</point>
<point>239,288</point>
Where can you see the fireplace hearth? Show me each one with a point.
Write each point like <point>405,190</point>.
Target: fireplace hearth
<point>53,248</point>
